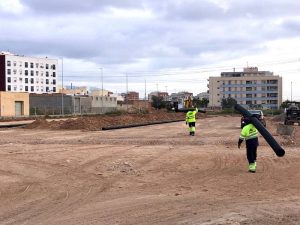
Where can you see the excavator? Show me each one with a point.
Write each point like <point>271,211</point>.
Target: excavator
<point>188,106</point>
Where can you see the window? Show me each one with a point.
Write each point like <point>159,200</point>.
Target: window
<point>8,63</point>
<point>31,73</point>
<point>15,80</point>
<point>15,63</point>
<point>26,72</point>
<point>47,81</point>
<point>26,80</point>
<point>42,65</point>
<point>31,88</point>
<point>54,81</point>
<point>15,71</point>
<point>8,71</point>
<point>47,74</point>
<point>9,88</point>
<point>20,64</point>
<point>15,88</point>
<point>26,64</point>
<point>31,80</point>
<point>36,65</point>
<point>31,65</point>
<point>47,89</point>
<point>20,71</point>
<point>54,89</point>
<point>47,66</point>
<point>54,74</point>
<point>8,79</point>
<point>36,73</point>
<point>26,88</point>
<point>53,66</point>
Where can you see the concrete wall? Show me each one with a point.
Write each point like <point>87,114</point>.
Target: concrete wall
<point>50,104</point>
<point>8,103</point>
<point>103,104</point>
<point>83,104</point>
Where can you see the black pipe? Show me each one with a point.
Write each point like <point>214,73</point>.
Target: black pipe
<point>13,125</point>
<point>140,124</point>
<point>279,151</point>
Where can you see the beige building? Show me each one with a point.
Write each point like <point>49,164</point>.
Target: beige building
<point>14,104</point>
<point>250,88</point>
<point>74,91</point>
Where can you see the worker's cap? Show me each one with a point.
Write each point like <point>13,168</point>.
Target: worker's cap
<point>246,120</point>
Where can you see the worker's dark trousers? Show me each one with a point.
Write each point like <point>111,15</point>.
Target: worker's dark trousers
<point>251,146</point>
<point>192,128</point>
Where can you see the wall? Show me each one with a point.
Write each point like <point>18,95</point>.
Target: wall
<point>7,103</point>
<point>50,104</point>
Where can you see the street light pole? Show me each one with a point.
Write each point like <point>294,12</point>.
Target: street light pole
<point>62,86</point>
<point>291,91</point>
<point>101,90</point>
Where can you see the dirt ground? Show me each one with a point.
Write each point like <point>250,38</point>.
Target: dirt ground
<point>147,175</point>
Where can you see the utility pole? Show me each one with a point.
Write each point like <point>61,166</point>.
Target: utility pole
<point>145,94</point>
<point>127,92</point>
<point>291,91</point>
<point>62,86</point>
<point>101,90</point>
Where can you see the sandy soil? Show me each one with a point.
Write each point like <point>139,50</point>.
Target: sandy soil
<point>146,175</point>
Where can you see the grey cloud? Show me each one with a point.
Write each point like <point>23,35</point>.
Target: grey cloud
<point>71,6</point>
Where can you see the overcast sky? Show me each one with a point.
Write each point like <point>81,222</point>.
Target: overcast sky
<point>164,45</point>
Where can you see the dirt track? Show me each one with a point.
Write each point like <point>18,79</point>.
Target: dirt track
<point>146,175</point>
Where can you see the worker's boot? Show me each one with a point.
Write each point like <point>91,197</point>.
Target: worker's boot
<point>193,133</point>
<point>252,167</point>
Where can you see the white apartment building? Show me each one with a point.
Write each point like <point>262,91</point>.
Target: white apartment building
<point>249,88</point>
<point>27,74</point>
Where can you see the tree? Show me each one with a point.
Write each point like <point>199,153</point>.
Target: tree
<point>285,104</point>
<point>228,103</point>
<point>158,102</point>
<point>200,102</point>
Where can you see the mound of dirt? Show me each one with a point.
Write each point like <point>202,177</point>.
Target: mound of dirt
<point>94,123</point>
<point>279,118</point>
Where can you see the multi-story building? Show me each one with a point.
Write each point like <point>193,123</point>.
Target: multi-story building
<point>27,74</point>
<point>131,96</point>
<point>164,95</point>
<point>249,88</point>
<point>203,95</point>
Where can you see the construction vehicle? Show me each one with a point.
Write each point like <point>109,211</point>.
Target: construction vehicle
<point>292,114</point>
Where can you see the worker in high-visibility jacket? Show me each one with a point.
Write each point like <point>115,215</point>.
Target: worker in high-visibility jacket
<point>249,133</point>
<point>190,119</point>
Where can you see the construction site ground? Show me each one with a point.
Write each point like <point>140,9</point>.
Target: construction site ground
<point>156,175</point>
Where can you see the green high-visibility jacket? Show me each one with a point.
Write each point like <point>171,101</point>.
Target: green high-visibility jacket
<point>191,116</point>
<point>248,132</point>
